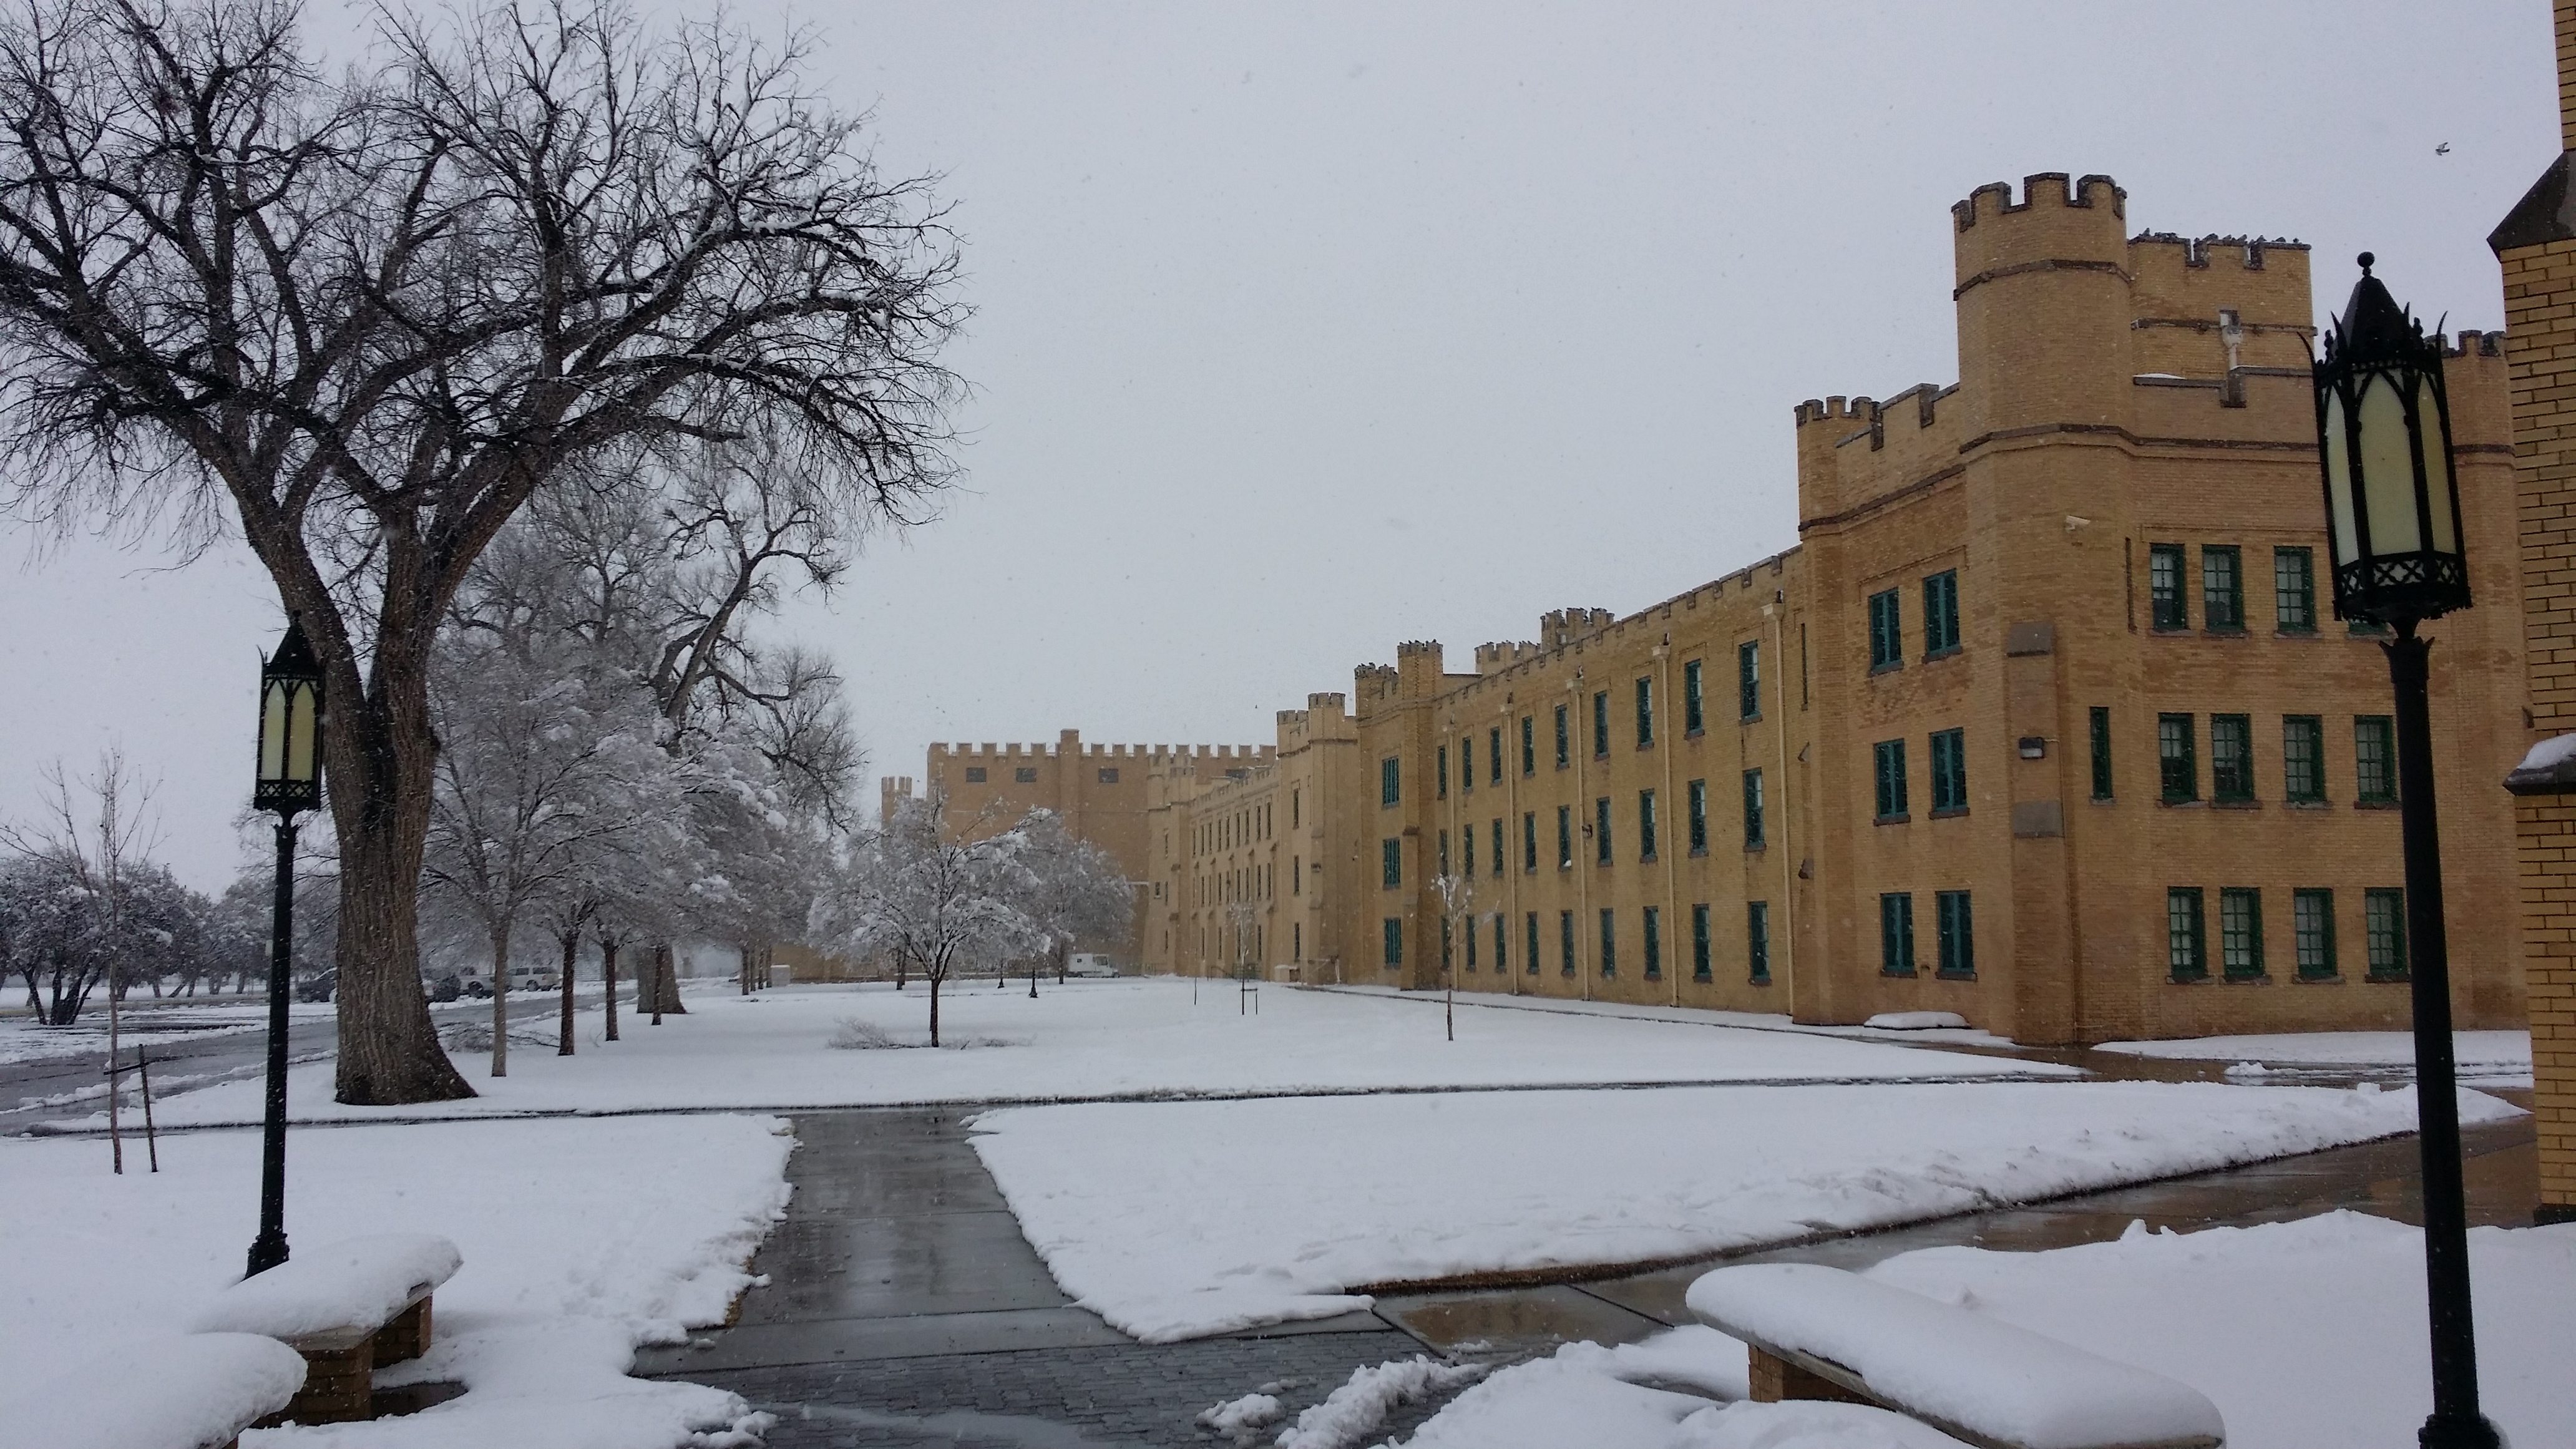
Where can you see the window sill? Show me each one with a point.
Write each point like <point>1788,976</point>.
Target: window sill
<point>1933,655</point>
<point>1954,975</point>
<point>1694,732</point>
<point>2374,804</point>
<point>2248,978</point>
<point>2307,804</point>
<point>2388,978</point>
<point>2294,634</point>
<point>1894,973</point>
<point>1702,978</point>
<point>1950,813</point>
<point>1890,667</point>
<point>2200,980</point>
<point>1898,819</point>
<point>1757,981</point>
<point>1757,848</point>
<point>1748,719</point>
<point>2176,631</point>
<point>1699,852</point>
<point>2187,803</point>
<point>2248,803</point>
<point>2303,979</point>
<point>1647,859</point>
<point>2224,631</point>
<point>2102,800</point>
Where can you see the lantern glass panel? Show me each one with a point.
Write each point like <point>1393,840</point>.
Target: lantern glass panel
<point>2388,470</point>
<point>272,730</point>
<point>2428,423</point>
<point>301,735</point>
<point>2347,545</point>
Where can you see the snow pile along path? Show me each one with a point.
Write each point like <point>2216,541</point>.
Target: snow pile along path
<point>1175,1220</point>
<point>580,1241</point>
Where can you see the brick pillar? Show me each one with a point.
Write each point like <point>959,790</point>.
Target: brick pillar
<point>2536,245</point>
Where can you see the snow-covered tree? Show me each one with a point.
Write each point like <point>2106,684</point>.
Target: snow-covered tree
<point>933,904</point>
<point>1075,892</point>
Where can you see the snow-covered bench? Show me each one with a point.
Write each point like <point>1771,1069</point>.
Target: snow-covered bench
<point>349,1308</point>
<point>194,1392</point>
<point>1822,1333</point>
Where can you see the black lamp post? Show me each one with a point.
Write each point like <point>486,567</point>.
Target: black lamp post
<point>290,780</point>
<point>2393,519</point>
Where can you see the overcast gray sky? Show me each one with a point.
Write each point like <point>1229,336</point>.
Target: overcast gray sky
<point>1305,328</point>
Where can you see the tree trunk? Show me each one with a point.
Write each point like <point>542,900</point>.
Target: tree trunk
<point>571,959</point>
<point>377,755</point>
<point>501,1000</point>
<point>608,982</point>
<point>666,982</point>
<point>934,1006</point>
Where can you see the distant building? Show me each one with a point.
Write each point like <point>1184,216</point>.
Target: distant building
<point>2537,246</point>
<point>2044,722</point>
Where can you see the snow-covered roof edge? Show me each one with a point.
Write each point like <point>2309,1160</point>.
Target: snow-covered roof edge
<point>2549,769</point>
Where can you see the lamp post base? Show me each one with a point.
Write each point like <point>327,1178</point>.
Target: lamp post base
<point>2473,1432</point>
<point>269,1249</point>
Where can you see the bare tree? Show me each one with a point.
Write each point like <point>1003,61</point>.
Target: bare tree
<point>1457,895</point>
<point>364,319</point>
<point>935,904</point>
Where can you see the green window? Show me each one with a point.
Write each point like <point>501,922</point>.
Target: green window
<point>1700,967</point>
<point>2184,953</point>
<point>2222,588</point>
<point>1562,742</point>
<point>1757,939</point>
<point>1565,942</point>
<point>1886,632</point>
<point>1609,942</point>
<point>1941,614</point>
<point>1391,948</point>
<point>1645,825</point>
<point>2101,731</point>
<point>2231,757</point>
<point>1494,755</point>
<point>1529,746</point>
<point>1529,841</point>
<point>2303,776</point>
<point>2177,757</point>
<point>1699,817</point>
<point>1467,763</point>
<point>1601,831</point>
<point>1469,835</point>
<point>2294,590</point>
<point>1444,942</point>
<point>1498,845</point>
<point>1530,959</point>
<point>1601,724</point>
<point>2164,586</point>
<point>1502,938</point>
<point>1748,680</point>
<point>1753,810</point>
<point>1958,933</point>
<point>1694,706</point>
<point>1888,772</point>
<point>1949,771</point>
<point>1390,863</point>
<point>1565,837</point>
<point>2240,933</point>
<point>1645,711</point>
<point>1388,787</point>
<point>2374,758</point>
<point>1896,933</point>
<point>2312,933</point>
<point>1654,944</point>
<point>2383,925</point>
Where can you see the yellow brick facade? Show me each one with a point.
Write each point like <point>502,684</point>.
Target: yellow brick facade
<point>2536,247</point>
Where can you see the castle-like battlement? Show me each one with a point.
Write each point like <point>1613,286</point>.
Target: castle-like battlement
<point>1993,201</point>
<point>1494,658</point>
<point>1560,627</point>
<point>2246,251</point>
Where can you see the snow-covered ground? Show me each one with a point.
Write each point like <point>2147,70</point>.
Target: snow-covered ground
<point>1177,1219</point>
<point>2479,1053</point>
<point>2304,1334</point>
<point>581,1240</point>
<point>1093,1039</point>
<point>140,1022</point>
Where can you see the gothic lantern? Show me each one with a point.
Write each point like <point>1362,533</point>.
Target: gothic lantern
<point>2384,432</point>
<point>290,720</point>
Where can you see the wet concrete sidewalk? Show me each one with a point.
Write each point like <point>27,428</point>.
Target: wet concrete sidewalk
<point>904,1308</point>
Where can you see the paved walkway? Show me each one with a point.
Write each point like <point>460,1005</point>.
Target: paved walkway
<point>904,1309</point>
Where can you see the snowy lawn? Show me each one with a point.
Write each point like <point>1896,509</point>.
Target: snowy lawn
<point>581,1240</point>
<point>1092,1039</point>
<point>1705,1016</point>
<point>2482,1054</point>
<point>2305,1334</point>
<point>1174,1220</point>
<point>145,1023</point>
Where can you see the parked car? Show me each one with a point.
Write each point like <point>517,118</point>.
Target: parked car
<point>318,986</point>
<point>1089,963</point>
<point>534,978</point>
<point>446,988</point>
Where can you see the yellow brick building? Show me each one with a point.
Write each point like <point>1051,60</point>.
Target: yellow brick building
<point>2537,246</point>
<point>2044,722</point>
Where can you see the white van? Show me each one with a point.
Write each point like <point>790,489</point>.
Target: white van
<point>534,978</point>
<point>1089,963</point>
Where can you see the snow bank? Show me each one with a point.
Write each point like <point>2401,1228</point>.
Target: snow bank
<point>1917,1021</point>
<point>580,1241</point>
<point>1352,1412</point>
<point>1174,1220</point>
<point>192,1391</point>
<point>2491,1051</point>
<point>353,1282</point>
<point>1102,1039</point>
<point>1978,1373</point>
